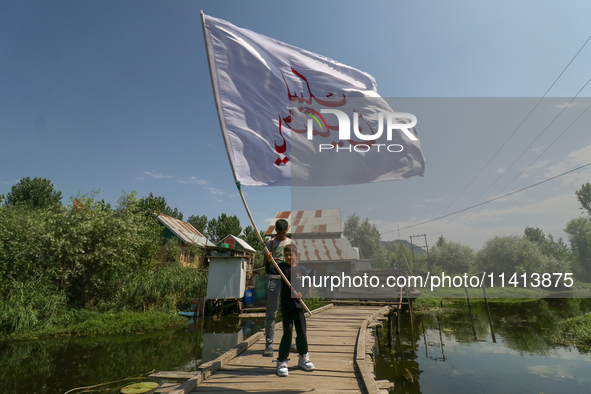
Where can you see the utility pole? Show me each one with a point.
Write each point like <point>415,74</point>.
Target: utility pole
<point>427,247</point>
<point>413,250</point>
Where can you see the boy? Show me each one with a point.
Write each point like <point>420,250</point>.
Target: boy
<point>276,247</point>
<point>292,314</point>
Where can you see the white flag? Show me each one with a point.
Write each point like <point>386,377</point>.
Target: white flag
<point>282,110</point>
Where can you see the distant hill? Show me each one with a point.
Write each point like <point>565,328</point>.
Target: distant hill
<point>392,245</point>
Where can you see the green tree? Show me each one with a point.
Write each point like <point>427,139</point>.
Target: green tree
<point>251,238</point>
<point>381,258</point>
<point>440,241</point>
<point>34,193</point>
<point>363,235</point>
<point>584,197</point>
<point>199,222</point>
<point>159,205</point>
<point>224,225</point>
<point>514,254</point>
<point>453,257</point>
<point>534,234</point>
<point>557,250</point>
<point>579,236</point>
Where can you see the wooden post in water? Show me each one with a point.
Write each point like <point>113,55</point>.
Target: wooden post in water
<point>470,312</point>
<point>399,312</point>
<point>412,328</point>
<point>390,328</point>
<point>492,332</point>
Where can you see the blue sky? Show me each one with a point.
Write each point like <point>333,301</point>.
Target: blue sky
<point>117,95</point>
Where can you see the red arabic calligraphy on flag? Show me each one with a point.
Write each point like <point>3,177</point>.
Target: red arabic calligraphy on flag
<point>268,91</point>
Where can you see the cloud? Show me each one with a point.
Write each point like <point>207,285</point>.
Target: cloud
<point>216,192</point>
<point>9,182</point>
<point>573,104</point>
<point>441,199</point>
<point>194,180</point>
<point>574,159</point>
<point>157,175</point>
<point>500,170</point>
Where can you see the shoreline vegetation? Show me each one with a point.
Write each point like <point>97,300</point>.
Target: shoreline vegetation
<point>570,332</point>
<point>92,323</point>
<point>89,268</point>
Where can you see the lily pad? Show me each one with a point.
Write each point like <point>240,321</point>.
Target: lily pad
<point>140,388</point>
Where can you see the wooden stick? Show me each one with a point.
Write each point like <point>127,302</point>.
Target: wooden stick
<point>268,252</point>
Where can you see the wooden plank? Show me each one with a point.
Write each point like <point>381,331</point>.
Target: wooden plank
<point>173,375</point>
<point>247,370</point>
<point>360,348</point>
<point>166,387</point>
<point>365,366</point>
<point>313,350</point>
<point>247,315</point>
<point>220,390</point>
<point>288,383</point>
<point>346,366</point>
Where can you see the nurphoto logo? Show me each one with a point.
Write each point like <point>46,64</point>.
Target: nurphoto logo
<point>344,128</point>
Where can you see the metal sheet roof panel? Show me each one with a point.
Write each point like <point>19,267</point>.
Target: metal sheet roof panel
<point>242,242</point>
<point>321,221</point>
<point>185,231</point>
<point>325,250</point>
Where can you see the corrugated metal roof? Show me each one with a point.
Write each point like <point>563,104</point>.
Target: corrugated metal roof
<point>185,231</point>
<point>242,242</point>
<point>325,250</point>
<point>321,221</point>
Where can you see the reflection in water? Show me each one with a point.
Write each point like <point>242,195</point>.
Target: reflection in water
<point>57,365</point>
<point>452,350</point>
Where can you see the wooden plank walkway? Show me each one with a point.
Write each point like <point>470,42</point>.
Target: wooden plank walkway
<point>338,340</point>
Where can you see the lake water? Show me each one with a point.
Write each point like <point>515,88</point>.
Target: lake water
<point>57,365</point>
<point>444,351</point>
<point>447,351</point>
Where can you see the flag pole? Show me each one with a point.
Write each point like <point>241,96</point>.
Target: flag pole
<point>268,252</point>
<point>222,126</point>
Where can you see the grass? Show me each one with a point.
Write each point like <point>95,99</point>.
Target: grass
<point>108,323</point>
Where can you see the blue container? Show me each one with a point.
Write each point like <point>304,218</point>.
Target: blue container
<point>249,296</point>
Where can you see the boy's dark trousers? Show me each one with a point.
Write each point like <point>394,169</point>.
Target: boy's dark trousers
<point>292,316</point>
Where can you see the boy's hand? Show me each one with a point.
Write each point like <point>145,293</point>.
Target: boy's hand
<point>268,257</point>
<point>299,295</point>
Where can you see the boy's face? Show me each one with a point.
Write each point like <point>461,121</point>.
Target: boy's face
<point>287,256</point>
<point>280,234</point>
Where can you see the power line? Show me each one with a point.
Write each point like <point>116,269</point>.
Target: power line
<point>518,127</point>
<point>444,227</point>
<point>539,135</point>
<point>491,200</point>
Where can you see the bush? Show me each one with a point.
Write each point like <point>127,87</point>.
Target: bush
<point>453,257</point>
<point>57,261</point>
<point>514,254</point>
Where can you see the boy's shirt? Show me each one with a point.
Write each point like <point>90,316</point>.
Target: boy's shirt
<point>294,274</point>
<point>276,249</point>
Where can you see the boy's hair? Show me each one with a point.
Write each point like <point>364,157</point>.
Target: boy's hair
<point>281,225</point>
<point>292,249</point>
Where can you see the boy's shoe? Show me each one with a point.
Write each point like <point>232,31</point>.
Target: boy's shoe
<point>305,363</point>
<point>268,352</point>
<point>282,368</point>
<point>293,348</point>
